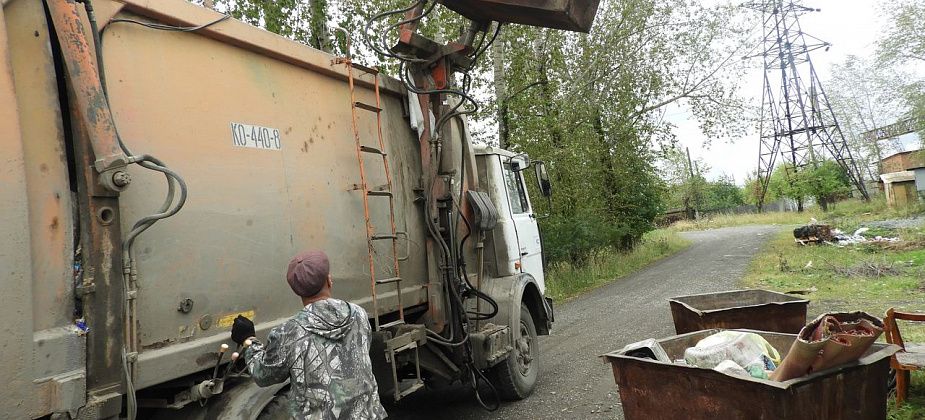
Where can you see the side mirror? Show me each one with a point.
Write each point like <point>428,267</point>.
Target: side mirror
<point>542,178</point>
<point>520,162</point>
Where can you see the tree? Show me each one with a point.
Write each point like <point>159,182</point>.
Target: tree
<point>787,182</point>
<point>904,37</point>
<point>866,95</point>
<point>687,187</point>
<point>753,188</point>
<point>723,193</point>
<point>827,182</point>
<point>303,21</point>
<point>903,44</point>
<point>592,106</point>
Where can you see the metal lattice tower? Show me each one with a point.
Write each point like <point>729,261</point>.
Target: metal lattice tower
<point>797,121</point>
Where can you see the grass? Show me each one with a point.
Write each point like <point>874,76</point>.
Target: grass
<point>852,211</point>
<point>865,277</point>
<point>563,280</point>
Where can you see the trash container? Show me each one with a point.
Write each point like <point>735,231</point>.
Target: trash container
<point>650,389</point>
<point>761,310</point>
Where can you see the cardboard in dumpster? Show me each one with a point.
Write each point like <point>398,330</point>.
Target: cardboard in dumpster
<point>829,341</point>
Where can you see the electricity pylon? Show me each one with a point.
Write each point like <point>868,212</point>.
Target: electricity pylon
<point>797,121</point>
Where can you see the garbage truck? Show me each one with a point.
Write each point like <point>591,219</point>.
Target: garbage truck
<point>161,162</point>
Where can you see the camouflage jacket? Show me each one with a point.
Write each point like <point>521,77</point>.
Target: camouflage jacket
<point>324,352</point>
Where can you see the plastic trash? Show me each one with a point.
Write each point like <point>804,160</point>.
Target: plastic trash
<point>740,347</point>
<point>647,349</point>
<point>754,370</point>
<point>729,367</point>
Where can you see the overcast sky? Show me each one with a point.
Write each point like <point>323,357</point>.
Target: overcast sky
<point>851,26</point>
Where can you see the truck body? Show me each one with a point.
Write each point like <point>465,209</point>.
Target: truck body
<point>264,132</point>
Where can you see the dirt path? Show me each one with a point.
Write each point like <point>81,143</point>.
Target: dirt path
<point>573,382</point>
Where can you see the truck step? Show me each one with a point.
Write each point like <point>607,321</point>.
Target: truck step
<point>392,324</point>
<point>381,237</point>
<point>368,107</point>
<point>411,389</point>
<point>373,150</point>
<point>388,280</point>
<point>379,193</point>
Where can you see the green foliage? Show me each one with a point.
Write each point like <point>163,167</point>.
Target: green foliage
<point>825,181</point>
<point>786,182</point>
<point>303,21</point>
<point>903,44</point>
<point>565,280</point>
<point>590,104</point>
<point>752,191</point>
<point>904,38</point>
<point>723,193</point>
<point>866,94</point>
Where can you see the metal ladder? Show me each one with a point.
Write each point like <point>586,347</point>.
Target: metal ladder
<point>406,339</point>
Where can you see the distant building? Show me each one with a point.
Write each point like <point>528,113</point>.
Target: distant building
<point>903,177</point>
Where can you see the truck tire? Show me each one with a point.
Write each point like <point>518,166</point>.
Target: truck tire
<point>515,377</point>
<point>276,409</point>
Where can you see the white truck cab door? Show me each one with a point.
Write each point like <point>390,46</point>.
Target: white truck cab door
<point>530,247</point>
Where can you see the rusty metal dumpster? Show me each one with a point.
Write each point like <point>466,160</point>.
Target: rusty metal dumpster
<point>650,389</point>
<point>761,310</point>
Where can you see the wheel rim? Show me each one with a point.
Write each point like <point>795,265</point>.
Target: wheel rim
<point>524,347</point>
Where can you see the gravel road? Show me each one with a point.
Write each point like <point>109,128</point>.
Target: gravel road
<point>574,382</point>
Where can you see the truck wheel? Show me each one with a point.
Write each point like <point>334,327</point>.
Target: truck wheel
<point>515,377</point>
<point>276,409</point>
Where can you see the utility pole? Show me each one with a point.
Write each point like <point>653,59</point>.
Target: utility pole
<point>797,121</point>
<point>690,211</point>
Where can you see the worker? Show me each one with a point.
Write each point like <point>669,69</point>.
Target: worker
<point>323,350</point>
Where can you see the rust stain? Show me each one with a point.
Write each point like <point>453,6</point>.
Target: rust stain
<point>157,344</point>
<point>44,168</point>
<point>54,224</point>
<point>82,72</point>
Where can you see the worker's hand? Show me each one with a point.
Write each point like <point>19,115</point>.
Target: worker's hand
<point>242,329</point>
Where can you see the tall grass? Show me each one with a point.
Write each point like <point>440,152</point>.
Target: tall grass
<point>563,280</point>
<point>848,212</point>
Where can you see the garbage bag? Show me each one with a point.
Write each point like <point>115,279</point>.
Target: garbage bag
<point>743,348</point>
<point>830,340</point>
<point>731,368</point>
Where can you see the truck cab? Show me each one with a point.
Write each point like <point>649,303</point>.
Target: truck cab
<point>503,174</point>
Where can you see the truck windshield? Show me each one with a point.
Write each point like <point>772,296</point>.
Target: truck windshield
<point>515,190</point>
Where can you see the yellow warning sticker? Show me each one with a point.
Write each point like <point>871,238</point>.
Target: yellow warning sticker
<point>227,320</point>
